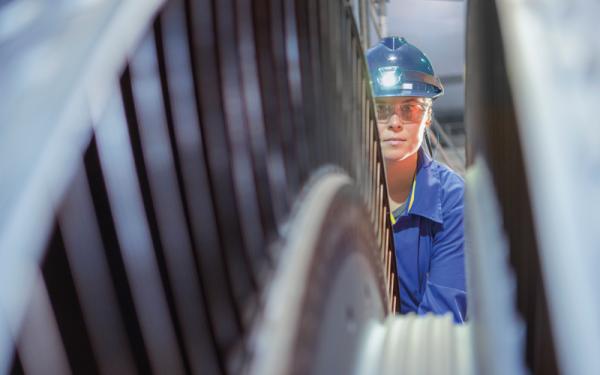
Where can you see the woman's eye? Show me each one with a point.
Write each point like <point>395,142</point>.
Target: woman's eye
<point>382,112</point>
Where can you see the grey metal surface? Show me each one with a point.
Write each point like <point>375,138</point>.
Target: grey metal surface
<point>411,344</point>
<point>39,341</point>
<point>45,121</point>
<point>275,346</point>
<point>179,171</point>
<point>116,159</point>
<point>498,332</point>
<point>552,55</point>
<point>86,46</point>
<point>84,251</point>
<point>495,133</point>
<point>328,286</point>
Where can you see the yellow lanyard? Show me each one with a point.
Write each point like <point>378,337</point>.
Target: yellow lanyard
<point>410,202</point>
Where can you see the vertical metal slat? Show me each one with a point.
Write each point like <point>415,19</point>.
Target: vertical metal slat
<point>116,158</point>
<point>85,254</point>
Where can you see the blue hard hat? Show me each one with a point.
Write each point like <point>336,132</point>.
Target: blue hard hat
<point>397,68</point>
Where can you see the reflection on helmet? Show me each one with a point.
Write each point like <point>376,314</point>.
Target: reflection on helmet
<point>398,68</point>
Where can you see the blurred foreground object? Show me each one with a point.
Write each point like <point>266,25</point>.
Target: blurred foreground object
<point>156,159</point>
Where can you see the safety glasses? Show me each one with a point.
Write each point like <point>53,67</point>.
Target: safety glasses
<point>407,112</point>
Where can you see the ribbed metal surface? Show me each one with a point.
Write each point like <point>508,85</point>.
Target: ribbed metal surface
<point>143,225</point>
<point>495,126</point>
<point>329,285</point>
<point>552,54</point>
<point>411,344</point>
<point>499,333</point>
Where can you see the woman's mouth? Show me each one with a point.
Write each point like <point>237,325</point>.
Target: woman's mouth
<point>394,141</point>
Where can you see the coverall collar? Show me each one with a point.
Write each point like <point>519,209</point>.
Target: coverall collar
<point>427,201</point>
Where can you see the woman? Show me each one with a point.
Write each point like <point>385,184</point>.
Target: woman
<point>426,197</point>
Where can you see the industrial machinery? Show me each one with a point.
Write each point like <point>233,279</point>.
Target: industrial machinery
<point>196,186</point>
<point>172,150</point>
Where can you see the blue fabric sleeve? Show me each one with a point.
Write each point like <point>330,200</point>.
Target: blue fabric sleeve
<point>445,289</point>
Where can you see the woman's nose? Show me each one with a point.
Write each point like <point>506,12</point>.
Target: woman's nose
<point>395,122</point>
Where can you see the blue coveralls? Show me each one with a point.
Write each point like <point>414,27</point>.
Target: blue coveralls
<point>429,243</point>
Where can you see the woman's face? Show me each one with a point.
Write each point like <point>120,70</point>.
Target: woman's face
<point>401,122</point>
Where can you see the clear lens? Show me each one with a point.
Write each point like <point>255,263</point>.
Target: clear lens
<point>408,112</point>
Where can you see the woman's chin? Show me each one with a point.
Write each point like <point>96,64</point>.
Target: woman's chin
<point>393,156</point>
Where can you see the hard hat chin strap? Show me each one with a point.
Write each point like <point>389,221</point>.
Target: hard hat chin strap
<point>428,142</point>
